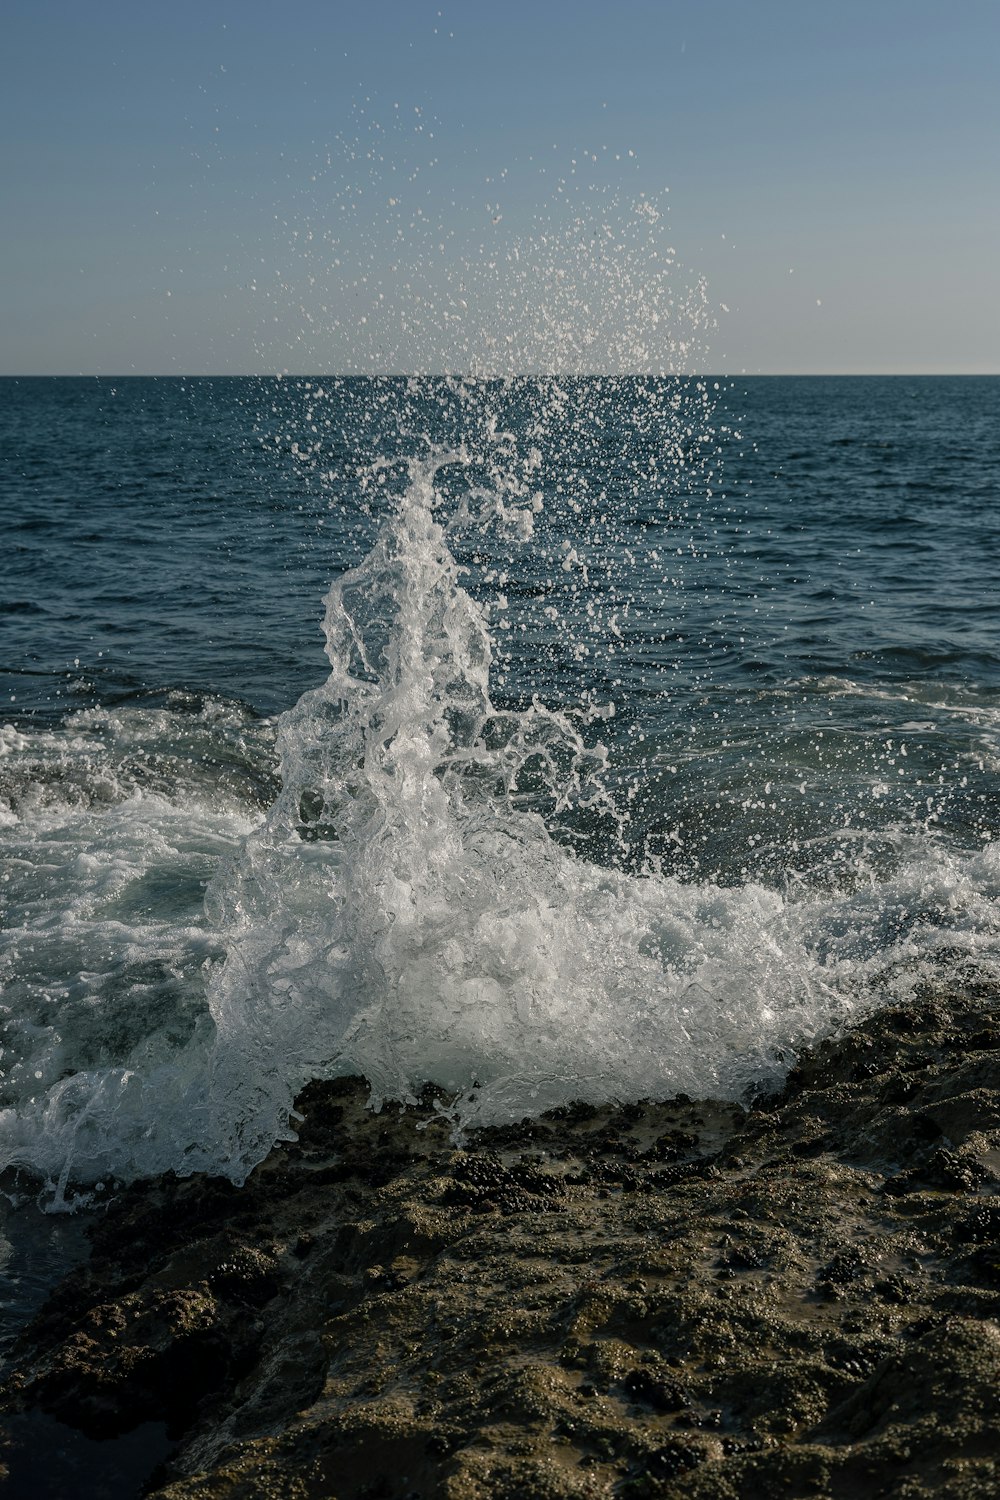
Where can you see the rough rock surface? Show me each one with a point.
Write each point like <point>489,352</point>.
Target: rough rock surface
<point>675,1299</point>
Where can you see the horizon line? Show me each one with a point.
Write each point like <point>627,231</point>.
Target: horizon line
<point>518,375</point>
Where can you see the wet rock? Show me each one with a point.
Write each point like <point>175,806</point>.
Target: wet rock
<point>678,1299</point>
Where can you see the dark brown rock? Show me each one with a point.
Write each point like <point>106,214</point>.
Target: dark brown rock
<point>676,1299</point>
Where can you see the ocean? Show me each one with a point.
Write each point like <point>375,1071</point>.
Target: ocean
<point>549,739</point>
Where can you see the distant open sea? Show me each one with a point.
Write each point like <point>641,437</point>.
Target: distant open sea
<point>658,733</point>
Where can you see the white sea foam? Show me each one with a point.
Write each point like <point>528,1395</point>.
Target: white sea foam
<point>114,825</point>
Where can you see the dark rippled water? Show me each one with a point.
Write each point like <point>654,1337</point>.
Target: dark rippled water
<point>824,592</point>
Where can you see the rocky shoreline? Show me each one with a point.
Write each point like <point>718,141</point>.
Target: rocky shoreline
<point>679,1299</point>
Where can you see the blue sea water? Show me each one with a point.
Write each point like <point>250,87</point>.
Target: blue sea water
<point>655,732</point>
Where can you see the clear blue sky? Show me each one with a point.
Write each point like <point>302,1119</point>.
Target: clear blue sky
<point>179,180</point>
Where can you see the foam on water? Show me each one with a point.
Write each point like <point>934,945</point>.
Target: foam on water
<point>113,826</point>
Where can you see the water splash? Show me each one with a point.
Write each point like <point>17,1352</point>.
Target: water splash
<point>407,913</point>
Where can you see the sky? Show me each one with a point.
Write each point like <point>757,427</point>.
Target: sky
<point>326,187</point>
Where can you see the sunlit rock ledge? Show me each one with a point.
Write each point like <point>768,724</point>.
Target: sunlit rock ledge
<point>666,1299</point>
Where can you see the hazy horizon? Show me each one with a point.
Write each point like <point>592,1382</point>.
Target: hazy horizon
<point>217,192</point>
